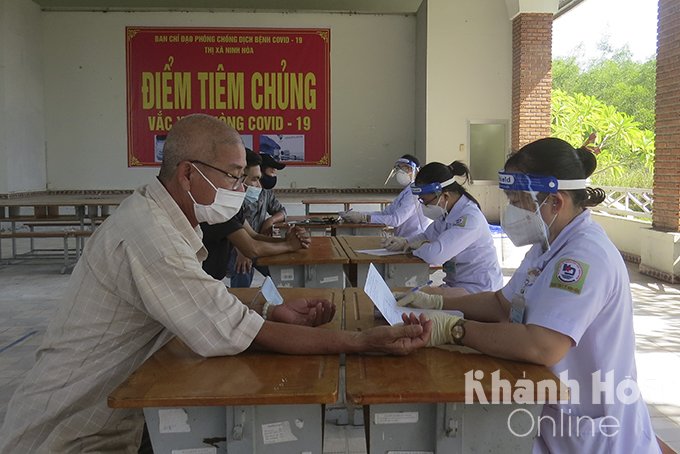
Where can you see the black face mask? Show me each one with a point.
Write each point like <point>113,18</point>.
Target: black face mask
<point>268,181</point>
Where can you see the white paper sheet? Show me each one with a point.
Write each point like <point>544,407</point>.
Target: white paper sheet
<point>381,252</point>
<point>270,293</point>
<point>377,290</point>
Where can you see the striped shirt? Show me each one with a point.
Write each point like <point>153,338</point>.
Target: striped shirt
<point>138,284</point>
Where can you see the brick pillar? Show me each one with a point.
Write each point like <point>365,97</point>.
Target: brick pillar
<point>531,77</point>
<point>666,212</point>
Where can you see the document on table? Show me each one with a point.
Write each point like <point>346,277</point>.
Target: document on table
<point>377,290</point>
<point>381,251</point>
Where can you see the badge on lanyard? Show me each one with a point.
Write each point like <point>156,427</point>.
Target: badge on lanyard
<point>518,303</point>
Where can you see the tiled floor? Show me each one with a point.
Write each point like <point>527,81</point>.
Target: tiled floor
<point>30,292</point>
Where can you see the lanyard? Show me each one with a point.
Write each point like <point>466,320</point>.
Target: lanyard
<point>518,303</point>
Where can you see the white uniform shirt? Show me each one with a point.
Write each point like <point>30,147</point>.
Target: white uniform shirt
<point>580,288</point>
<point>138,283</point>
<point>404,214</point>
<point>462,242</point>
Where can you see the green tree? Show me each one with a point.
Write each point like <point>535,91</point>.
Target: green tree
<point>613,78</point>
<point>627,149</point>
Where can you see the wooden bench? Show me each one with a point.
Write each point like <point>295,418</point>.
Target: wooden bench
<point>78,235</point>
<point>346,204</point>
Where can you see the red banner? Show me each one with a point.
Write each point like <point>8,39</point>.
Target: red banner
<point>272,85</point>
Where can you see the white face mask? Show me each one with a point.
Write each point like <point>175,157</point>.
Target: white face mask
<point>403,178</point>
<point>252,194</point>
<point>224,207</point>
<point>434,212</point>
<point>525,227</point>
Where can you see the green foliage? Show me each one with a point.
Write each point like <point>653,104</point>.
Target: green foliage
<point>614,79</point>
<point>627,151</point>
<point>613,96</point>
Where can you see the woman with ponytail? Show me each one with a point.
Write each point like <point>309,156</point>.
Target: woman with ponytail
<point>568,306</point>
<point>458,238</point>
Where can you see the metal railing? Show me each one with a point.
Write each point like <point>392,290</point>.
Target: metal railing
<point>631,203</point>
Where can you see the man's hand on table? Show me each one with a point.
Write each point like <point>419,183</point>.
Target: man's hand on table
<point>304,311</point>
<point>298,238</point>
<point>400,339</point>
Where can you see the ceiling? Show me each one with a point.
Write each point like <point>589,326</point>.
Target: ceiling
<point>343,6</point>
<point>346,6</point>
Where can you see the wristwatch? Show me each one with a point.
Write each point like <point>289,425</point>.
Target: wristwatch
<point>458,331</point>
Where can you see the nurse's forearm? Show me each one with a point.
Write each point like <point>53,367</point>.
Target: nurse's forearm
<point>483,307</point>
<point>518,342</point>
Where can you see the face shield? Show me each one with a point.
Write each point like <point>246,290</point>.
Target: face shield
<point>404,171</point>
<point>436,189</point>
<point>522,220</point>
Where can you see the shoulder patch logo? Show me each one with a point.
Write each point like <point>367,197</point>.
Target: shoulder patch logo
<point>461,221</point>
<point>569,275</point>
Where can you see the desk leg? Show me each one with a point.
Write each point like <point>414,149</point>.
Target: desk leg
<point>451,428</point>
<point>187,428</point>
<point>396,274</point>
<point>273,429</point>
<point>309,276</point>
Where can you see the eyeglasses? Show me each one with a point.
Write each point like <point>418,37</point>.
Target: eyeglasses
<point>239,180</point>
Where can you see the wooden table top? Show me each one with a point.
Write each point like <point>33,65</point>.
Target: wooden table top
<point>345,200</point>
<point>175,376</point>
<point>323,250</point>
<point>430,374</point>
<point>65,200</point>
<point>353,243</point>
<point>322,222</point>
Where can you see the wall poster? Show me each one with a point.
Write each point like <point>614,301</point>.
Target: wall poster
<point>272,85</point>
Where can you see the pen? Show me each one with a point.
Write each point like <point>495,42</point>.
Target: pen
<point>415,289</point>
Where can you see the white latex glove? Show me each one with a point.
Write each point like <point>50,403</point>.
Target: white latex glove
<point>441,328</point>
<point>395,243</point>
<point>419,299</point>
<point>413,245</point>
<point>354,217</point>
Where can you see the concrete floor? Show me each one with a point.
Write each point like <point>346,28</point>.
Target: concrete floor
<point>30,292</point>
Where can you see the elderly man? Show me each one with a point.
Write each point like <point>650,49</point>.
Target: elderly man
<point>139,283</point>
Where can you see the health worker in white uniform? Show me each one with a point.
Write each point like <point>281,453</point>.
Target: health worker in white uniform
<point>568,306</point>
<point>404,213</point>
<point>459,239</point>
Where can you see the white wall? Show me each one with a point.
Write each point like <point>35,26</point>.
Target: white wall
<point>372,97</point>
<point>22,131</point>
<point>469,72</point>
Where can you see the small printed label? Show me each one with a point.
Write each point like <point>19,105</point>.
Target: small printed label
<point>195,451</point>
<point>287,274</point>
<point>397,417</point>
<point>410,452</point>
<point>328,279</point>
<point>173,420</point>
<point>277,432</point>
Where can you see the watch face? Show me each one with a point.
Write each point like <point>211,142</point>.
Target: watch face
<point>458,332</point>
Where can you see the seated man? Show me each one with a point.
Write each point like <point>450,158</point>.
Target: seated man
<point>221,239</point>
<point>139,283</point>
<point>261,210</point>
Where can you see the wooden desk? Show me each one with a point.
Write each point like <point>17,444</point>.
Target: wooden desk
<point>47,209</point>
<point>251,402</point>
<point>320,266</point>
<point>402,270</point>
<point>319,224</point>
<point>417,403</point>
<point>346,204</point>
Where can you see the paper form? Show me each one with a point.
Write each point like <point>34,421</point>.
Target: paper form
<point>377,290</point>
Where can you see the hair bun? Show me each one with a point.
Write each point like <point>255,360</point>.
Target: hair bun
<point>588,160</point>
<point>594,196</point>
